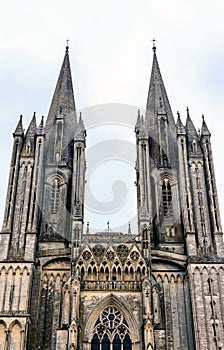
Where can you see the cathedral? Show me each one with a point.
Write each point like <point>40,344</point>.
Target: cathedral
<point>160,288</point>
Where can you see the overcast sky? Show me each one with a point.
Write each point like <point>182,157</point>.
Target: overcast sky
<point>111,58</point>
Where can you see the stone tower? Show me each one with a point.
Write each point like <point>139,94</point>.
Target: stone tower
<point>161,288</point>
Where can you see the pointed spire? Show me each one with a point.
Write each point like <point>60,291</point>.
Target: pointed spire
<point>157,102</point>
<point>190,128</point>
<point>143,134</point>
<point>19,131</point>
<point>80,131</point>
<point>28,148</point>
<point>32,127</point>
<point>63,99</point>
<point>137,125</point>
<point>204,129</point>
<point>40,130</point>
<point>81,123</point>
<point>180,127</point>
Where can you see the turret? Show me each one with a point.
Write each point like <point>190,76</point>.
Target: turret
<point>185,188</point>
<point>217,236</point>
<point>143,185</point>
<point>24,189</point>
<point>201,209</point>
<point>78,181</point>
<point>18,136</point>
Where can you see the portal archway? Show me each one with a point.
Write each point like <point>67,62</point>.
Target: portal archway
<point>111,331</point>
<point>111,327</point>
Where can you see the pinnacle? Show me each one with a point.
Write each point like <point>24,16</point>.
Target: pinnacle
<point>179,124</point>
<point>190,128</point>
<point>137,125</point>
<point>81,120</point>
<point>40,129</point>
<point>81,123</point>
<point>204,129</point>
<point>32,127</point>
<point>142,129</point>
<point>28,148</point>
<point>80,131</point>
<point>19,131</point>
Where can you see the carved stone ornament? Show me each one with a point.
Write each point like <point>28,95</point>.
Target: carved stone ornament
<point>110,255</point>
<point>122,251</point>
<point>86,255</point>
<point>98,250</point>
<point>134,255</point>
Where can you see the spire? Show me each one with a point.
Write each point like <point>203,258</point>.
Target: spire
<point>157,102</point>
<point>190,128</point>
<point>32,127</point>
<point>137,125</point>
<point>28,148</point>
<point>19,129</point>
<point>143,134</point>
<point>40,130</point>
<point>194,146</point>
<point>63,99</point>
<point>204,128</point>
<point>80,132</point>
<point>180,126</point>
<point>82,127</point>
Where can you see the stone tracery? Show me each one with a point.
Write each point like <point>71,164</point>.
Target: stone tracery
<point>111,329</point>
<point>116,268</point>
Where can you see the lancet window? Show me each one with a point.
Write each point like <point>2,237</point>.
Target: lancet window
<point>55,195</point>
<point>167,198</point>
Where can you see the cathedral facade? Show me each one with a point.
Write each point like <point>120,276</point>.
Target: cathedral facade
<point>161,288</point>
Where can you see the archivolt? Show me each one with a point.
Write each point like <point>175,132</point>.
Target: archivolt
<point>111,300</point>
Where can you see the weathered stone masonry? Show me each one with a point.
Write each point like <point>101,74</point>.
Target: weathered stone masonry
<point>161,288</point>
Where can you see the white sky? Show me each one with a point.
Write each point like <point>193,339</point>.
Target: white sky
<point>111,58</point>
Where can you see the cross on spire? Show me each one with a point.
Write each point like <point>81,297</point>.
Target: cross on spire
<point>67,47</point>
<point>153,44</point>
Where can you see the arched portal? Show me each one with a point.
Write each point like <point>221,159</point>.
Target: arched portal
<point>111,326</point>
<point>111,331</point>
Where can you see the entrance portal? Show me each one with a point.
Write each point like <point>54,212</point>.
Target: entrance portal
<point>111,331</point>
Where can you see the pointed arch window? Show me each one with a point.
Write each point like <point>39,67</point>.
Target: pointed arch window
<point>111,331</point>
<point>167,198</point>
<point>55,195</point>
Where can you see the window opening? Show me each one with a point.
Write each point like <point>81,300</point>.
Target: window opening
<point>55,194</point>
<point>167,198</point>
<point>111,331</point>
